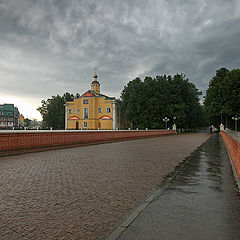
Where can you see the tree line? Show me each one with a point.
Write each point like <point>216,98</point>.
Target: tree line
<point>145,103</point>
<point>52,111</point>
<point>222,101</point>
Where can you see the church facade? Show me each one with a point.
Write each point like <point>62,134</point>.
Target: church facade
<point>91,111</point>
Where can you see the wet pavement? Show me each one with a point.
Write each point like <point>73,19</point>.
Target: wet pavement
<point>84,192</point>
<point>200,203</point>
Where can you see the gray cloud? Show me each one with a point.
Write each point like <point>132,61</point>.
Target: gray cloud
<point>50,47</point>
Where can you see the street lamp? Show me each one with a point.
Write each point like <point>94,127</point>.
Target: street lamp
<point>166,120</point>
<point>174,119</point>
<point>235,119</point>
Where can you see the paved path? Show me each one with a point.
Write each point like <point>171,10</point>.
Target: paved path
<point>200,203</point>
<point>84,192</point>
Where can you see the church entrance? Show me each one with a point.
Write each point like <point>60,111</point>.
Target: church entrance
<point>77,125</point>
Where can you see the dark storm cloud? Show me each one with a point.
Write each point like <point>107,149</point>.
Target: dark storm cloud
<point>50,47</point>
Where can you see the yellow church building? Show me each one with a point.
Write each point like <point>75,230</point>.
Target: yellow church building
<point>91,111</point>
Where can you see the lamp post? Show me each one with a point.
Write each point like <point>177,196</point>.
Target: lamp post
<point>166,120</point>
<point>174,119</point>
<point>235,119</point>
<point>174,128</point>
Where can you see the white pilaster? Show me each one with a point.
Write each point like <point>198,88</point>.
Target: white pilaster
<point>65,116</point>
<point>114,115</point>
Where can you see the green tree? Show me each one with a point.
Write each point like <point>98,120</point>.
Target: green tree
<point>215,100</point>
<point>222,99</point>
<point>69,97</point>
<point>146,103</point>
<point>233,92</point>
<point>53,111</point>
<point>27,122</point>
<point>133,106</point>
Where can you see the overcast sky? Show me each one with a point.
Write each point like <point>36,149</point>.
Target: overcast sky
<point>51,47</point>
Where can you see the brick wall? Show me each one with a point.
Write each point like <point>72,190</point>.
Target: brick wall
<point>14,140</point>
<point>234,150</point>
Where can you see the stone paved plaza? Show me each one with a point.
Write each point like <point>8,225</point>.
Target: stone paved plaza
<point>84,192</point>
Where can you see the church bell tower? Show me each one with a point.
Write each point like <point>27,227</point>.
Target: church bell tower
<point>95,85</point>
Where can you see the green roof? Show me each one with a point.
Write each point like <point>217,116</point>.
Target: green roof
<point>7,107</point>
<point>8,110</point>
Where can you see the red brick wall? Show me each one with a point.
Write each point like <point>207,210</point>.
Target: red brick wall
<point>234,150</point>
<point>35,139</point>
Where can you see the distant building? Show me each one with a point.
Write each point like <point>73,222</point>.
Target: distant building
<point>21,120</point>
<point>92,110</point>
<point>9,116</point>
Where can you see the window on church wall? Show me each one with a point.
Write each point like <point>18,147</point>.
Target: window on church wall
<point>70,111</point>
<point>108,110</point>
<point>99,110</point>
<point>85,101</point>
<point>77,111</point>
<point>85,113</point>
<point>85,124</point>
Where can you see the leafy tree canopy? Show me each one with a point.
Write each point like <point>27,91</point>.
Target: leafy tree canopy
<point>27,122</point>
<point>53,110</point>
<point>146,103</point>
<point>223,96</point>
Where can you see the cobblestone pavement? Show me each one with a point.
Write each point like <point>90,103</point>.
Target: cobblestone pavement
<point>84,192</point>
